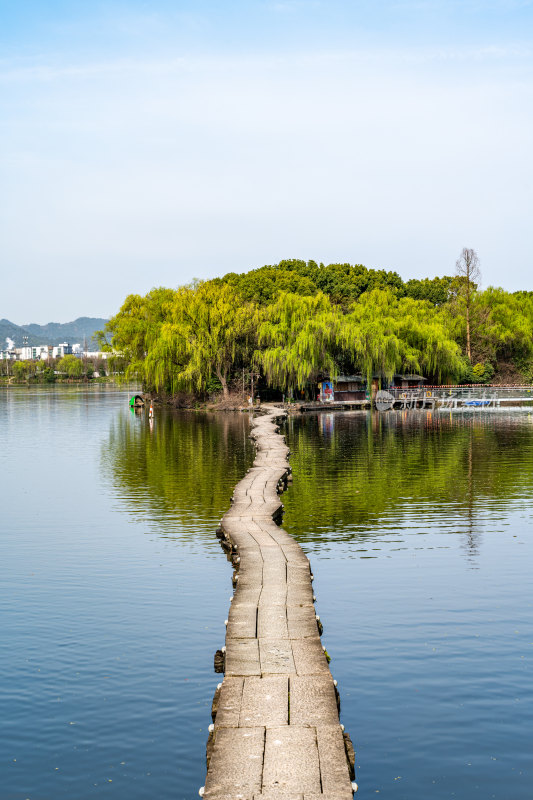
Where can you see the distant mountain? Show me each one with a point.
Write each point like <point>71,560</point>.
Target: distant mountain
<point>8,330</point>
<point>52,332</point>
<point>56,332</point>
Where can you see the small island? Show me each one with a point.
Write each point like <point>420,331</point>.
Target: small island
<point>286,330</point>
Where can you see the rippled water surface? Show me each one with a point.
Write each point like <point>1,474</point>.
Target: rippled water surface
<point>419,530</point>
<point>113,593</point>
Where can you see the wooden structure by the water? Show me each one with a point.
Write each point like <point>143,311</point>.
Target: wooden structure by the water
<point>424,400</point>
<point>343,405</point>
<point>276,733</point>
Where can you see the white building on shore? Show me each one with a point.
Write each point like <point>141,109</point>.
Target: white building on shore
<point>43,352</point>
<point>60,350</point>
<point>35,352</point>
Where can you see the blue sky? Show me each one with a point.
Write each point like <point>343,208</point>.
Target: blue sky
<point>150,143</point>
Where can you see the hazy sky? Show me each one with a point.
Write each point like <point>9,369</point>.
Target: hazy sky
<point>148,143</point>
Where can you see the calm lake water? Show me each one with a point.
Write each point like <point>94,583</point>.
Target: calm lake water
<point>419,529</point>
<point>114,591</point>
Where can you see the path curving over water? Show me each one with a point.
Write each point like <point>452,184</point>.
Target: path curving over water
<point>276,732</point>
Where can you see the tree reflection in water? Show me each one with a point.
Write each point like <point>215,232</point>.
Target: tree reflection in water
<point>180,470</point>
<point>355,472</point>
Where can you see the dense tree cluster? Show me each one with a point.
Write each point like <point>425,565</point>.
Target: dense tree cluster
<point>70,367</point>
<point>295,321</point>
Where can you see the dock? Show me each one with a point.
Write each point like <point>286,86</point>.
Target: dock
<point>462,399</point>
<point>343,405</point>
<point>276,733</point>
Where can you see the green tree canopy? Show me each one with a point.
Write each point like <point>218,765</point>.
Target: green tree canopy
<point>71,365</point>
<point>436,290</point>
<point>505,329</point>
<point>297,337</point>
<point>385,334</point>
<point>343,283</point>
<point>208,330</point>
<point>297,320</point>
<point>262,286</point>
<point>501,325</point>
<point>135,328</point>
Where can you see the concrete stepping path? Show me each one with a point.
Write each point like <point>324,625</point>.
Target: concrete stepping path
<point>276,732</point>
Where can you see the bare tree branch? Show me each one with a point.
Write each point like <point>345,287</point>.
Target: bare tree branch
<point>467,267</point>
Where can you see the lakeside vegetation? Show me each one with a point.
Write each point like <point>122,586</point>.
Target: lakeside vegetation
<point>292,322</point>
<point>69,368</point>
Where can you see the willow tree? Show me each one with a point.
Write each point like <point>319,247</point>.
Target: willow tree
<point>135,328</point>
<point>383,335</point>
<point>70,366</point>
<point>426,339</point>
<point>208,331</point>
<point>505,329</point>
<point>297,336</point>
<point>369,335</point>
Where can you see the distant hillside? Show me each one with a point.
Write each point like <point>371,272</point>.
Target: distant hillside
<point>52,332</point>
<point>56,332</point>
<point>8,330</point>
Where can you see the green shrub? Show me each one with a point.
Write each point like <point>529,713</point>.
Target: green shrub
<point>483,372</point>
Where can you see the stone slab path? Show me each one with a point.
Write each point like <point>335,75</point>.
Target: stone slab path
<point>276,732</point>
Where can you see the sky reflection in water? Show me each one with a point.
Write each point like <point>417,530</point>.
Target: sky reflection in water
<point>114,591</point>
<point>419,530</point>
